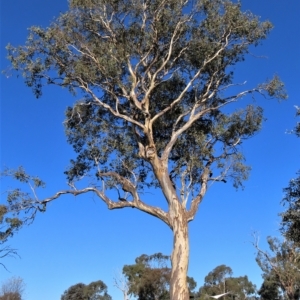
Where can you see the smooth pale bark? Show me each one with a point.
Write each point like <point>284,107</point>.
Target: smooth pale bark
<point>178,222</point>
<point>180,257</point>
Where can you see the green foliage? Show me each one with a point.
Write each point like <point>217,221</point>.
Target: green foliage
<point>149,277</point>
<point>96,290</point>
<point>217,275</point>
<point>291,217</point>
<point>270,288</point>
<point>18,202</point>
<point>11,296</point>
<point>275,88</point>
<point>297,128</point>
<point>178,55</point>
<point>214,281</point>
<point>155,80</point>
<point>241,287</point>
<point>220,281</point>
<point>281,268</point>
<point>8,225</point>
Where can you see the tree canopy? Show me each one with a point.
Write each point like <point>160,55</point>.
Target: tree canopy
<point>220,280</point>
<point>96,290</point>
<point>270,288</point>
<point>281,268</point>
<point>149,277</point>
<point>153,75</point>
<point>8,225</point>
<point>156,90</point>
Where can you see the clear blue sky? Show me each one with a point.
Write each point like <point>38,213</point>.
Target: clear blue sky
<point>78,239</point>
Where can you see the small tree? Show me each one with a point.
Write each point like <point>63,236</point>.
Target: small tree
<point>241,287</point>
<point>121,283</point>
<point>217,277</point>
<point>96,290</point>
<point>149,277</point>
<point>220,281</point>
<point>156,79</point>
<point>297,128</point>
<point>12,289</point>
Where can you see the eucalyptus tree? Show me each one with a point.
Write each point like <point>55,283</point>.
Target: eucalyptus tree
<point>297,128</point>
<point>96,290</point>
<point>270,288</point>
<point>215,281</point>
<point>291,217</point>
<point>281,267</point>
<point>149,277</point>
<point>220,281</point>
<point>8,225</point>
<point>156,80</point>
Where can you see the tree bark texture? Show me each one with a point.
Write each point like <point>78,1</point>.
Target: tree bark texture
<point>180,255</point>
<point>178,222</point>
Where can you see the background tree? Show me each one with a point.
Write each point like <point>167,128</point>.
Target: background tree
<point>76,291</point>
<point>283,266</point>
<point>121,283</point>
<point>154,79</point>
<point>12,289</point>
<point>192,284</point>
<point>270,288</point>
<point>291,217</point>
<point>216,279</point>
<point>220,281</point>
<point>8,225</point>
<point>96,290</point>
<point>149,277</point>
<point>280,270</point>
<point>297,128</point>
<point>241,287</point>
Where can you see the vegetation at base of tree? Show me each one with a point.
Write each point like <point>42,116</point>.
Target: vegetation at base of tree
<point>96,290</point>
<point>157,76</point>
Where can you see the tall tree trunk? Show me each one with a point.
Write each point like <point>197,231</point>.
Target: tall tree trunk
<point>179,224</point>
<point>180,255</point>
